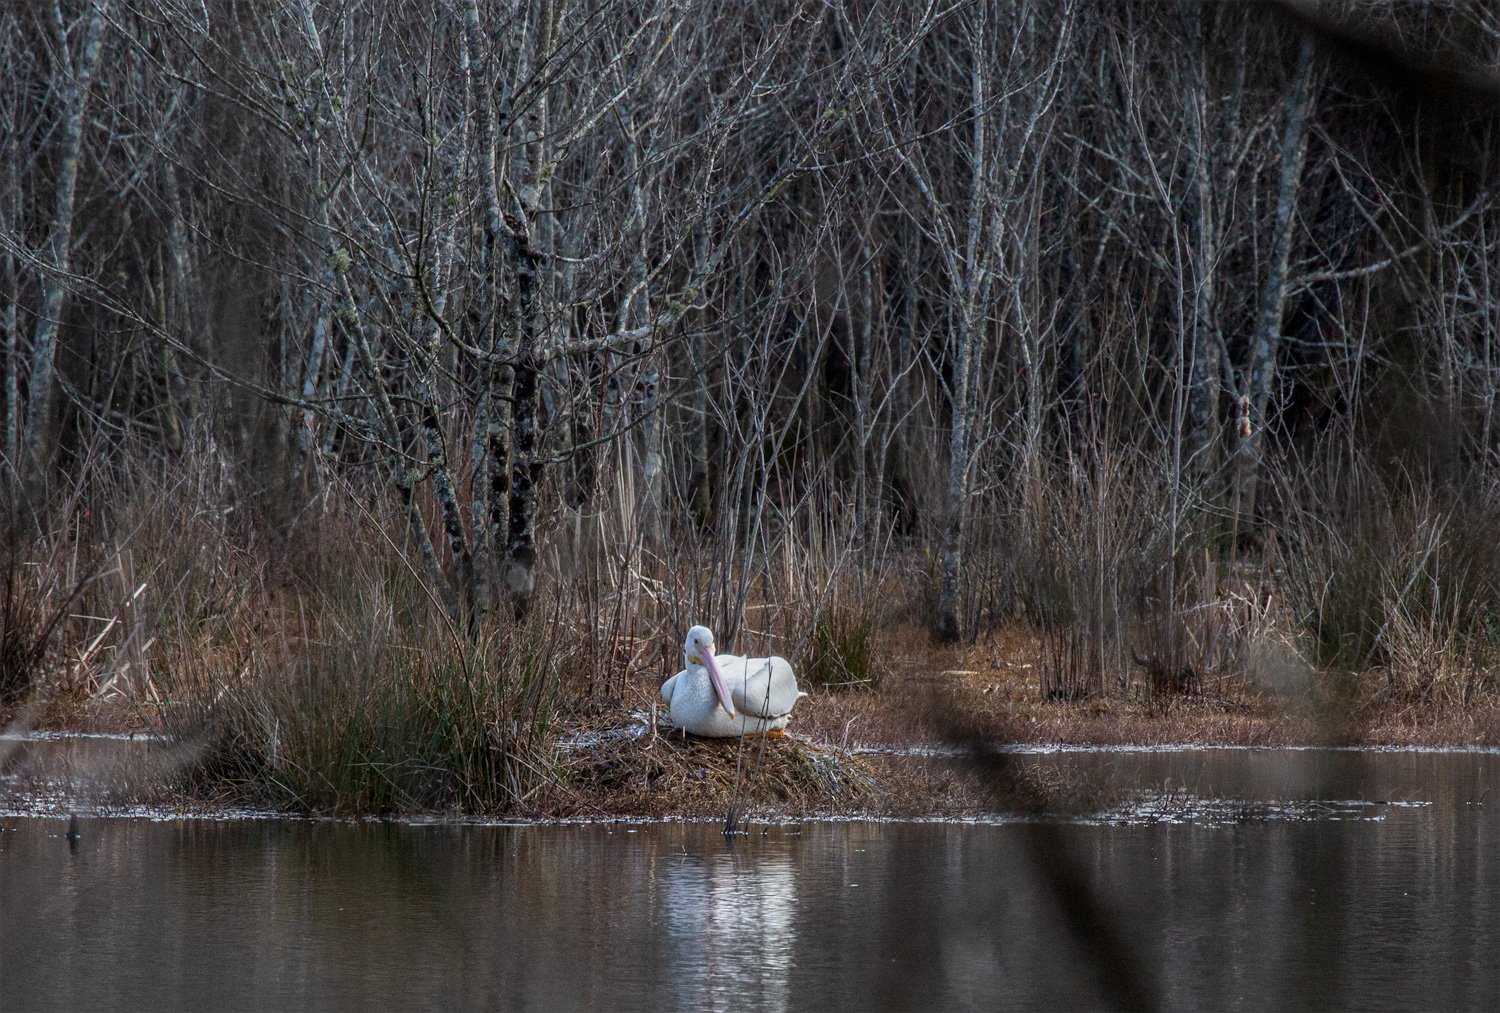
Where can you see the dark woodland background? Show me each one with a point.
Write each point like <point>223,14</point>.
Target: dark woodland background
<point>1136,322</point>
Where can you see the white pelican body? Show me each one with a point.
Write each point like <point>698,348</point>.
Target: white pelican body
<point>720,696</point>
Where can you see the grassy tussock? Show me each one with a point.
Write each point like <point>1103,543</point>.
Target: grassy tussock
<point>28,618</point>
<point>51,643</point>
<point>343,689</point>
<point>1399,581</point>
<point>372,718</point>
<point>1123,583</point>
<point>844,649</point>
<point>309,668</point>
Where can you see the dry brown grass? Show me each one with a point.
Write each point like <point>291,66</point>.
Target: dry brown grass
<point>991,691</point>
<point>299,660</point>
<point>984,694</point>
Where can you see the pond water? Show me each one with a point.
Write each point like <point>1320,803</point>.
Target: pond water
<point>1234,880</point>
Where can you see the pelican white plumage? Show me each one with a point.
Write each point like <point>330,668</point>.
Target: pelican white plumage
<point>720,696</point>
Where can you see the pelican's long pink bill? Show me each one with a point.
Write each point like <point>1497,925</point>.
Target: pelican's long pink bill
<point>720,690</point>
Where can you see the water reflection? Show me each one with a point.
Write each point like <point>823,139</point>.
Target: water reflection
<point>1286,906</point>
<point>730,922</point>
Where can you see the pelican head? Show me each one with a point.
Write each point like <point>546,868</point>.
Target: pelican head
<point>698,649</point>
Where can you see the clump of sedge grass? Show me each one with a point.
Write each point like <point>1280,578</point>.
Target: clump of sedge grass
<point>1398,576</point>
<point>26,624</point>
<point>1388,557</point>
<point>1091,573</point>
<point>292,676</point>
<point>842,651</point>
<point>377,708</point>
<point>41,583</point>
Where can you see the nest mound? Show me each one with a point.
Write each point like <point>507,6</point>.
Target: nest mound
<point>645,771</point>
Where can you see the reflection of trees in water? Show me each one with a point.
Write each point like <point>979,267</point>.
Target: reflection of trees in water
<point>1298,906</point>
<point>730,923</point>
<point>1289,909</point>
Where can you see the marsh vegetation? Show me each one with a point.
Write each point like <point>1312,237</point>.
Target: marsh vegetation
<point>388,386</point>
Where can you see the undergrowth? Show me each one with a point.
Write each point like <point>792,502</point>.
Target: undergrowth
<point>310,668</point>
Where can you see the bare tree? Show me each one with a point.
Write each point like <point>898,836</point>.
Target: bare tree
<point>555,280</point>
<point>78,61</point>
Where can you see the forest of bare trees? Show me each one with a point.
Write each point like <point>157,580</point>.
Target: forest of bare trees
<point>1064,312</point>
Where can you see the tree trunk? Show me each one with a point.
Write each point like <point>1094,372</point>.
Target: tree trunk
<point>1265,342</point>
<point>40,425</point>
<point>962,344</point>
<point>1205,363</point>
<point>489,446</point>
<point>520,549</point>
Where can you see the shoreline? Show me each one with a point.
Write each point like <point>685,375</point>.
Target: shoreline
<point>175,806</point>
<point>930,740</point>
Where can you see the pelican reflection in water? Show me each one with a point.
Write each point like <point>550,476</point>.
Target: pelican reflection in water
<point>732,920</point>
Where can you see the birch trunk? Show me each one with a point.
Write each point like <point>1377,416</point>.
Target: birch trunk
<point>962,347</point>
<point>404,475</point>
<point>40,428</point>
<point>12,434</point>
<point>700,490</point>
<point>520,549</point>
<point>950,559</point>
<point>328,282</point>
<point>489,447</point>
<point>1265,342</point>
<point>1206,361</point>
<point>637,314</point>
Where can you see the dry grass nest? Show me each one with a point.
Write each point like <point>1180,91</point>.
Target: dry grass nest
<point>641,771</point>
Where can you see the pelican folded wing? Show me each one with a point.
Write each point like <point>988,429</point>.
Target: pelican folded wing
<point>763,687</point>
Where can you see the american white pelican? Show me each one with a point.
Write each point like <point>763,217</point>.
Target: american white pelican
<point>726,695</point>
